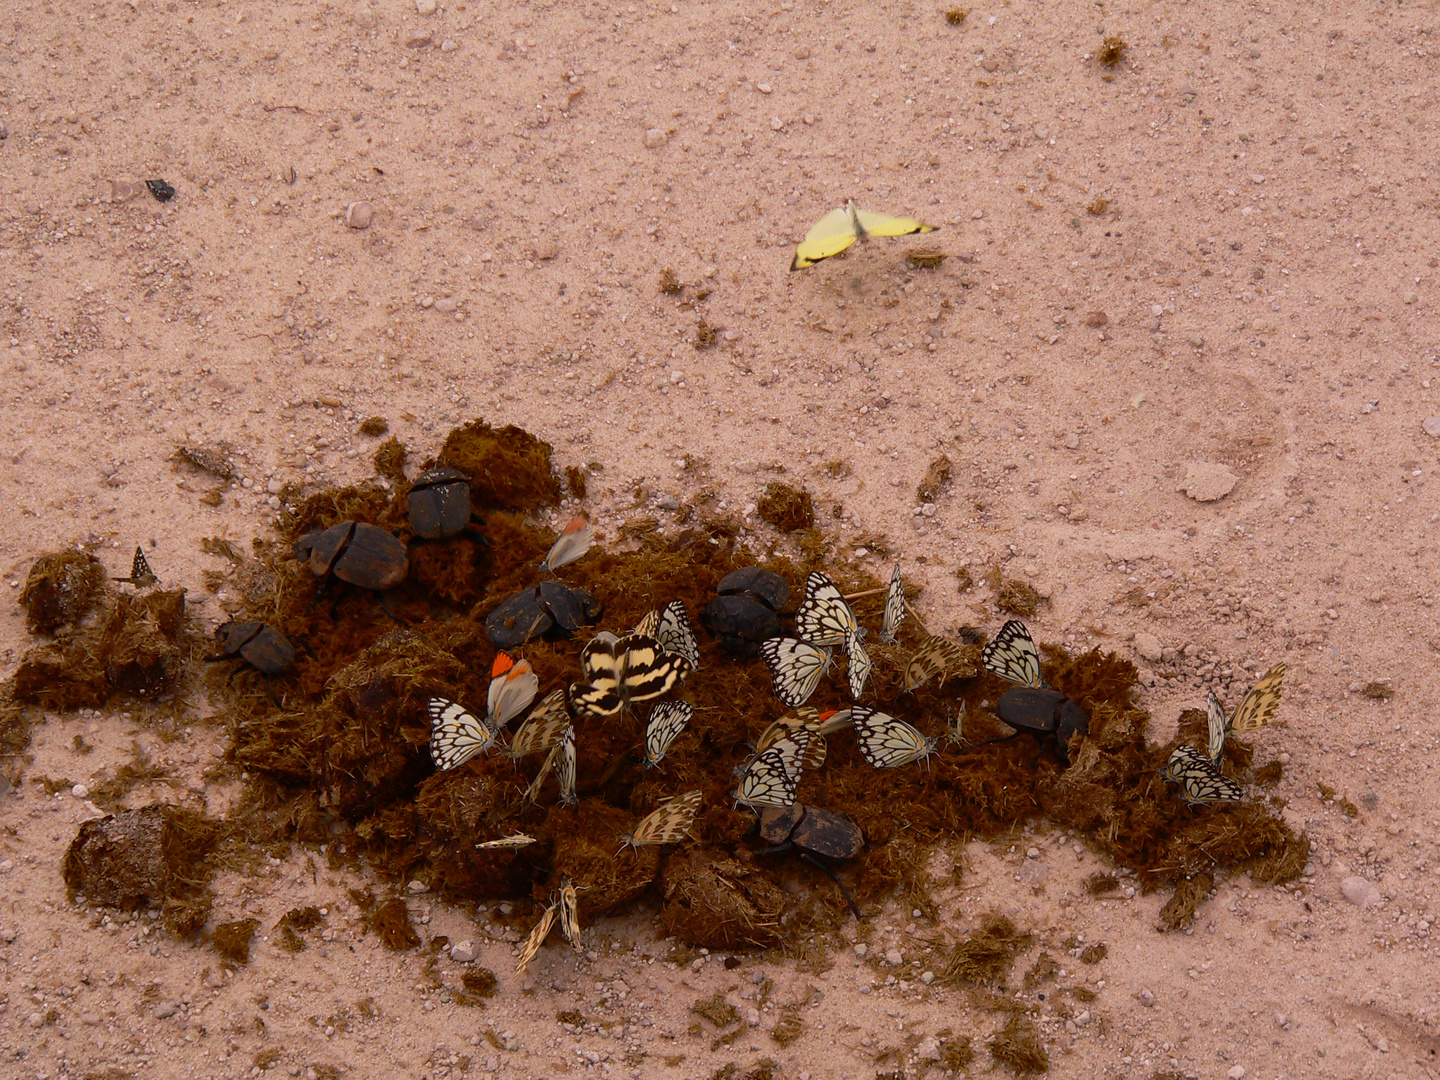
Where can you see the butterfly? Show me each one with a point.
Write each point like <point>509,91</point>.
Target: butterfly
<point>543,727</point>
<point>824,616</point>
<point>1199,779</point>
<point>456,734</point>
<point>955,733</point>
<point>894,608</point>
<point>795,667</point>
<point>1012,656</point>
<point>532,793</point>
<point>624,669</point>
<point>666,722</point>
<point>887,742</point>
<point>570,914</point>
<point>859,668</point>
<point>536,939</point>
<point>840,228</point>
<point>574,541</point>
<point>565,767</point>
<point>513,686</point>
<point>141,576</point>
<point>935,656</point>
<point>675,634</point>
<point>773,777</point>
<point>517,840</point>
<point>812,721</point>
<point>1257,710</point>
<point>668,823</point>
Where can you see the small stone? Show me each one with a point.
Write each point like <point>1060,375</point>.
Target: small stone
<point>1148,646</point>
<point>462,952</point>
<point>1236,1072</point>
<point>418,886</point>
<point>273,502</point>
<point>927,977</point>
<point>547,249</point>
<point>447,304</point>
<point>1082,1018</point>
<point>1077,513</point>
<point>1096,319</point>
<point>894,958</point>
<point>1360,892</point>
<point>655,138</point>
<point>35,1020</point>
<point>425,7</point>
<point>358,215</point>
<point>752,1017</point>
<point>275,486</point>
<point>1146,998</point>
<point>80,791</point>
<point>928,1049</point>
<point>1072,441</point>
<point>448,45</point>
<point>90,1019</point>
<point>164,1010</point>
<point>1282,1020</point>
<point>418,39</point>
<point>1207,481</point>
<point>1431,426</point>
<point>862,950</point>
<point>8,934</point>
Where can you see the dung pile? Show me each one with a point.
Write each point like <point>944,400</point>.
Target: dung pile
<point>346,759</point>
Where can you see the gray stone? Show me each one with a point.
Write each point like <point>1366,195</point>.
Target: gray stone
<point>358,215</point>
<point>928,1049</point>
<point>655,138</point>
<point>164,1010</point>
<point>862,950</point>
<point>1431,426</point>
<point>894,958</point>
<point>462,952</point>
<point>1360,892</point>
<point>1148,646</point>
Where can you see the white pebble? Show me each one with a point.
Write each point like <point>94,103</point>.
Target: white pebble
<point>862,950</point>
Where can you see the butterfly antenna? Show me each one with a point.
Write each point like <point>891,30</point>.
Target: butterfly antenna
<point>867,592</point>
<point>916,616</point>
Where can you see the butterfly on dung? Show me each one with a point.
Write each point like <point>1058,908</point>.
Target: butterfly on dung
<point>825,616</point>
<point>894,608</point>
<point>141,576</point>
<point>886,742</point>
<point>1256,711</point>
<point>573,542</point>
<point>620,670</point>
<point>668,823</point>
<point>456,734</point>
<point>671,627</point>
<point>513,686</point>
<point>796,667</point>
<point>1200,781</point>
<point>1012,656</point>
<point>773,777</point>
<point>667,720</point>
<point>542,728</point>
<point>936,656</point>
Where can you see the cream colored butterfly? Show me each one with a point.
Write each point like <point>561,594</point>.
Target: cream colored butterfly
<point>668,823</point>
<point>1257,710</point>
<point>840,228</point>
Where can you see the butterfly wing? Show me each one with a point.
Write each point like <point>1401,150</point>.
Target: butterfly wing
<point>676,634</point>
<point>543,728</point>
<point>795,667</point>
<point>894,608</point>
<point>515,840</point>
<point>565,767</point>
<point>824,617</point>
<point>666,722</point>
<point>1012,656</point>
<point>1200,781</point>
<point>668,823</point>
<point>859,668</point>
<point>1215,715</point>
<point>773,778</point>
<point>602,661</point>
<point>574,541</point>
<point>876,224</point>
<point>536,939</point>
<point>886,742</point>
<point>648,670</point>
<point>649,624</point>
<point>570,914</point>
<point>829,236</point>
<point>1261,703</point>
<point>511,692</point>
<point>456,734</point>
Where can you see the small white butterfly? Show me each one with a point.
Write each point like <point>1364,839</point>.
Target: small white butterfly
<point>773,777</point>
<point>796,667</point>
<point>1012,656</point>
<point>574,541</point>
<point>675,633</point>
<point>824,616</point>
<point>894,608</point>
<point>886,742</point>
<point>456,734</point>
<point>1200,781</point>
<point>860,666</point>
<point>513,686</point>
<point>666,722</point>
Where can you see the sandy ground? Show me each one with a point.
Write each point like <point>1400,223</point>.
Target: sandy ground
<point>1210,267</point>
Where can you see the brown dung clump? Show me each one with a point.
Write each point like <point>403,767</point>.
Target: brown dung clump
<point>157,856</point>
<point>1189,894</point>
<point>390,460</point>
<point>934,480</point>
<point>1017,598</point>
<point>294,923</point>
<point>508,467</point>
<point>374,426</point>
<point>60,590</point>
<point>232,941</point>
<point>786,507</point>
<point>1018,1047</point>
<point>984,958</point>
<point>1112,50</point>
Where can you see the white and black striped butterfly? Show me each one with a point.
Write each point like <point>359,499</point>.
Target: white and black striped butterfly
<point>1012,656</point>
<point>1261,704</point>
<point>773,777</point>
<point>894,608</point>
<point>565,767</point>
<point>824,616</point>
<point>141,576</point>
<point>570,914</point>
<point>887,742</point>
<point>635,667</point>
<point>666,722</point>
<point>1200,781</point>
<point>796,667</point>
<point>671,627</point>
<point>860,667</point>
<point>456,734</point>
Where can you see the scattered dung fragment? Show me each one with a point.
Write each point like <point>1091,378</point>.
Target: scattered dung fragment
<point>934,480</point>
<point>232,940</point>
<point>1018,1047</point>
<point>391,921</point>
<point>717,1010</point>
<point>705,334</point>
<point>1180,908</point>
<point>1017,598</point>
<point>716,901</point>
<point>508,467</point>
<point>669,283</point>
<point>786,508</point>
<point>1112,50</point>
<point>157,856</point>
<point>214,460</point>
<point>480,982</point>
<point>956,16</point>
<point>788,1029</point>
<point>390,460</point>
<point>296,922</point>
<point>374,426</point>
<point>984,958</point>
<point>1380,690</point>
<point>60,590</point>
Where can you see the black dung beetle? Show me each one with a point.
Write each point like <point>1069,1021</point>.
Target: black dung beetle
<point>439,503</point>
<point>1044,712</point>
<point>812,831</point>
<point>354,551</point>
<point>550,608</point>
<point>744,613</point>
<point>261,646</point>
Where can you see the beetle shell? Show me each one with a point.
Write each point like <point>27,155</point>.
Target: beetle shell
<point>439,503</point>
<point>822,832</point>
<point>550,608</point>
<point>1044,712</point>
<point>768,587</point>
<point>319,549</point>
<point>778,822</point>
<point>570,608</point>
<point>741,622</point>
<point>262,647</point>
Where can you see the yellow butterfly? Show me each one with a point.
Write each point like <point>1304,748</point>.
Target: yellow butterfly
<point>838,229</point>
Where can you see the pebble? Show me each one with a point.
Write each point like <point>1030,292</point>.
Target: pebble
<point>447,304</point>
<point>894,958</point>
<point>1146,998</point>
<point>862,950</point>
<point>35,1020</point>
<point>462,952</point>
<point>164,1010</point>
<point>1236,1072</point>
<point>275,486</point>
<point>1148,646</point>
<point>752,1017</point>
<point>1431,426</point>
<point>418,886</point>
<point>927,977</point>
<point>928,1049</point>
<point>80,791</point>
<point>655,138</point>
<point>358,215</point>
<point>1072,441</point>
<point>1207,481</point>
<point>418,39</point>
<point>1360,892</point>
<point>90,1019</point>
<point>547,249</point>
<point>449,45</point>
<point>425,7</point>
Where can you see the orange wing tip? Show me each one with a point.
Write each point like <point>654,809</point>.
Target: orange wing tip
<point>502,664</point>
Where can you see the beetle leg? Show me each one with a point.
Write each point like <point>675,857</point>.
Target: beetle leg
<point>383,600</point>
<point>269,690</point>
<point>838,883</point>
<point>776,849</point>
